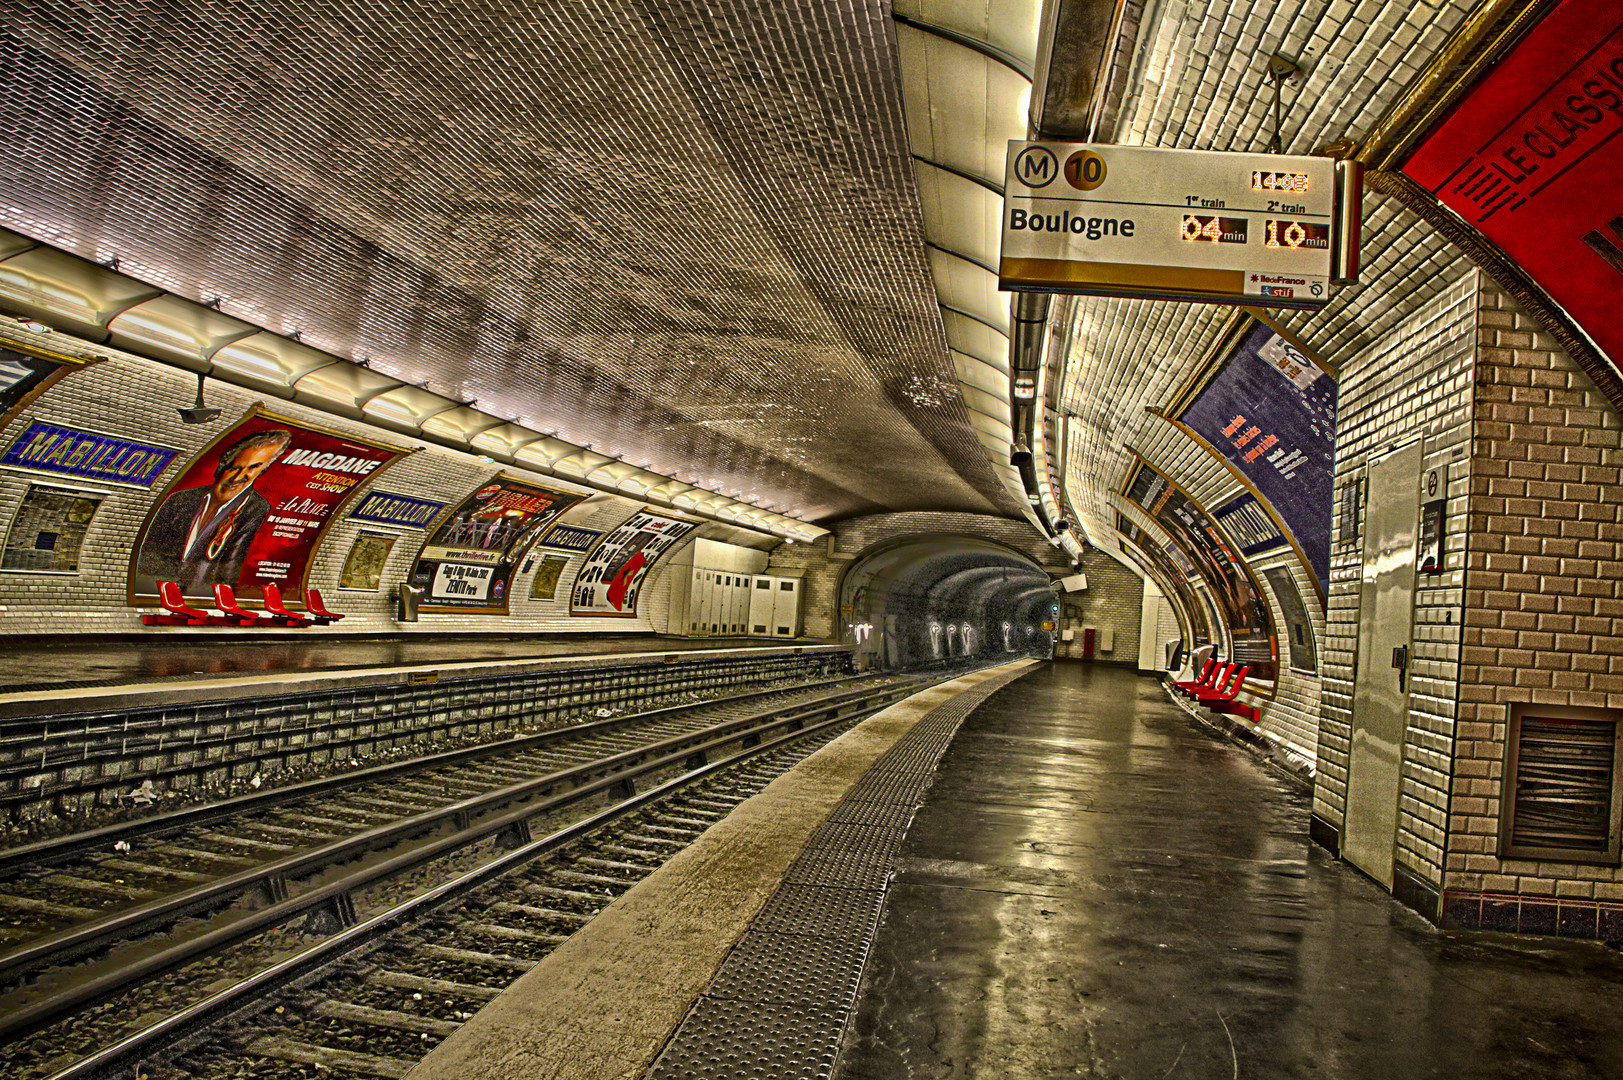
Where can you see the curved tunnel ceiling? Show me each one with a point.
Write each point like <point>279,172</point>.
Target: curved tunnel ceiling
<point>685,236</point>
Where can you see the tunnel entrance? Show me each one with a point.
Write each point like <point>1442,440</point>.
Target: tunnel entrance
<point>926,599</point>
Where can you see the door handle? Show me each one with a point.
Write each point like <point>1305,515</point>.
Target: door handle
<point>1400,660</point>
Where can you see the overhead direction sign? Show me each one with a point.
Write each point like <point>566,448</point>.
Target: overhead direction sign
<point>1136,221</point>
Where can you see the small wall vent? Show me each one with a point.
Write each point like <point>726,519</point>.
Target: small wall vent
<point>1561,798</point>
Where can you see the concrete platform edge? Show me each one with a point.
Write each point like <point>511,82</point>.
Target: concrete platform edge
<point>602,1005</point>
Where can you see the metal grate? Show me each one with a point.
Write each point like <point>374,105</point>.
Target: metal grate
<point>779,1004</point>
<point>1562,788</point>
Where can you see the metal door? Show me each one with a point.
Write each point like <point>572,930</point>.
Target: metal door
<point>1380,705</point>
<point>786,608</point>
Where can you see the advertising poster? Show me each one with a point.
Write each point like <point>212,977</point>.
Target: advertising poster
<point>544,586</point>
<point>1304,654</point>
<point>1249,525</point>
<point>1146,551</point>
<point>1224,571</point>
<point>610,581</point>
<point>1267,408</point>
<point>1530,158</point>
<point>26,373</point>
<point>468,563</point>
<point>252,507</point>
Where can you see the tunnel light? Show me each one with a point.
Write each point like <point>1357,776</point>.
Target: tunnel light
<point>1020,454</point>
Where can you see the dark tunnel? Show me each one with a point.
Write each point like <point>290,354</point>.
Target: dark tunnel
<point>926,599</point>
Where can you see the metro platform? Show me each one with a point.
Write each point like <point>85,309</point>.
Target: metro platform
<point>1091,886</point>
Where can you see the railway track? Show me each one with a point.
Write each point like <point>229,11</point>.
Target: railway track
<point>166,955</point>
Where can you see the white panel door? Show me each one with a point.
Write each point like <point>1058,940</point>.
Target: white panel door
<point>1380,705</point>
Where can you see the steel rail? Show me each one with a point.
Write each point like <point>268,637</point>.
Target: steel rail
<point>90,991</point>
<point>125,1053</point>
<point>189,817</point>
<point>88,936</point>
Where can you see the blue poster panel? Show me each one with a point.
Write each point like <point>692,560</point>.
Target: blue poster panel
<point>1229,580</point>
<point>71,452</point>
<point>1268,409</point>
<point>1150,555</point>
<point>1249,525</point>
<point>387,508</point>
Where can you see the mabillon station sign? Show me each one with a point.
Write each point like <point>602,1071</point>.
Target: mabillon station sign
<point>1104,220</point>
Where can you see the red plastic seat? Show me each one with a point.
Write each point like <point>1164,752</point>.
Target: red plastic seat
<point>1218,679</point>
<point>1198,680</point>
<point>1226,693</point>
<point>318,609</point>
<point>176,612</point>
<point>225,598</point>
<point>278,612</point>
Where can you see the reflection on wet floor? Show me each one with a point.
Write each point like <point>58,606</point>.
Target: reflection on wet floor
<point>42,666</point>
<point>1095,888</point>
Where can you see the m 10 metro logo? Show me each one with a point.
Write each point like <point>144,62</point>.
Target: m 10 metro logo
<point>1038,166</point>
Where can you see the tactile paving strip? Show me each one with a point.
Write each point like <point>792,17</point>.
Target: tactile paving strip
<point>725,1039</point>
<point>881,814</point>
<point>825,912</point>
<point>792,969</point>
<point>779,1005</point>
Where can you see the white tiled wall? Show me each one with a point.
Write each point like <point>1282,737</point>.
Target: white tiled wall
<point>134,398</point>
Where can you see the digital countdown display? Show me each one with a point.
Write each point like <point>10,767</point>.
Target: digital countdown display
<point>1135,221</point>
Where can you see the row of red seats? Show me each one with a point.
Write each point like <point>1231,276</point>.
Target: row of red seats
<point>176,612</point>
<point>1217,687</point>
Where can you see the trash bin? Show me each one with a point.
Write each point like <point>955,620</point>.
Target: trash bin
<point>407,597</point>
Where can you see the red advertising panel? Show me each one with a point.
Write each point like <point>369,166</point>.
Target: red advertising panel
<point>251,508</point>
<point>1531,158</point>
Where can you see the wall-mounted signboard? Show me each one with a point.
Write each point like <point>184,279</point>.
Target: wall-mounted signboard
<point>1136,221</point>
<point>1266,406</point>
<point>467,565</point>
<point>1250,623</point>
<point>252,508</point>
<point>1522,170</point>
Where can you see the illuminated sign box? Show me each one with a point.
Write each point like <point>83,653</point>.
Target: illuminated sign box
<point>1202,225</point>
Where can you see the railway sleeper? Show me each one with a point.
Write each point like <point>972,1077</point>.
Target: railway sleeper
<point>384,1018</point>
<point>508,907</point>
<point>279,1048</point>
<point>422,984</point>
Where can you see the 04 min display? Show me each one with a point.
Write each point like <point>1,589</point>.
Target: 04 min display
<point>1278,181</point>
<point>1213,230</point>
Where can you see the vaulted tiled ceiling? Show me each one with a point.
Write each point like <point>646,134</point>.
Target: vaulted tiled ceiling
<point>687,234</point>
<point>1200,82</point>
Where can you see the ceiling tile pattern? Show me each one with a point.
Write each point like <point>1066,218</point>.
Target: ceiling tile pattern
<point>1201,84</point>
<point>687,234</point>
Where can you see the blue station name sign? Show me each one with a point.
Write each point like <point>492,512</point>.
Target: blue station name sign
<point>390,509</point>
<point>71,452</point>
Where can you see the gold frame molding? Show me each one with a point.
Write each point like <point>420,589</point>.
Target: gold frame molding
<point>1485,38</point>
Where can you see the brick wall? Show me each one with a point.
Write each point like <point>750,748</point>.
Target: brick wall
<point>1413,383</point>
<point>1543,585</point>
<point>1113,600</point>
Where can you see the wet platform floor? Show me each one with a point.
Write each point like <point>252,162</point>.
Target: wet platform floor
<point>116,663</point>
<point>1096,888</point>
